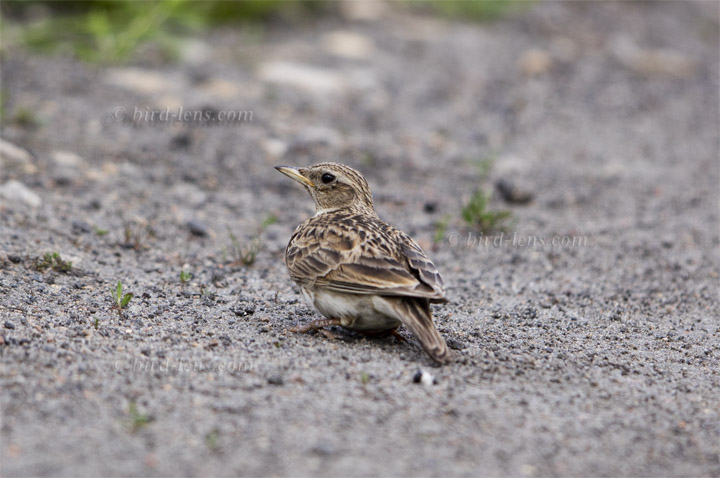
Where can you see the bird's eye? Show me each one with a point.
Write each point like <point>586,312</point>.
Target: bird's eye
<point>327,178</point>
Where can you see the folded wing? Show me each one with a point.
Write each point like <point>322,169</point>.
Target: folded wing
<point>342,259</point>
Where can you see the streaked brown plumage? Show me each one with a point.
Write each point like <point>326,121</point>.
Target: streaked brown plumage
<point>356,270</point>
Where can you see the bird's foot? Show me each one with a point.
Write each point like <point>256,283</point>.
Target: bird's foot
<point>398,337</point>
<point>317,325</point>
<point>385,333</point>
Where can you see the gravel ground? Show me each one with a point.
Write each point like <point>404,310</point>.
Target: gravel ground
<point>593,358</point>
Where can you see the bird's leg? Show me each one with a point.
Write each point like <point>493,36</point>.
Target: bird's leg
<point>317,325</point>
<point>385,333</point>
<point>397,336</point>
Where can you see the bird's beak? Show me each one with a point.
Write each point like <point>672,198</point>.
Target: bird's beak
<point>294,173</point>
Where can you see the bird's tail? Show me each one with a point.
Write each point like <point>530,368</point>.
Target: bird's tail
<point>415,315</point>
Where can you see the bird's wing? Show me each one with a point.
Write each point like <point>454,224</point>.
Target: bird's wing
<point>362,257</point>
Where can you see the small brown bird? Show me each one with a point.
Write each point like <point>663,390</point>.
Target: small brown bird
<point>356,270</point>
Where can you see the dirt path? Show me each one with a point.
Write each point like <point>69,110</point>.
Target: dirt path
<point>593,358</point>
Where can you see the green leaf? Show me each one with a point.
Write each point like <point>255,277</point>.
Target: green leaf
<point>126,298</point>
<point>270,219</point>
<point>118,292</point>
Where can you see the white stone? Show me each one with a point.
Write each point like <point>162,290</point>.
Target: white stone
<point>221,88</point>
<point>67,158</point>
<point>195,51</point>
<point>10,152</point>
<point>142,81</point>
<point>535,62</point>
<point>305,77</point>
<point>366,10</point>
<point>189,194</point>
<point>652,61</point>
<point>275,148</point>
<point>15,191</point>
<point>348,44</point>
<point>12,155</point>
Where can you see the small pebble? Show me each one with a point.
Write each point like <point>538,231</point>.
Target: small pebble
<point>81,227</point>
<point>276,380</point>
<point>9,325</point>
<point>511,193</point>
<point>244,310</point>
<point>421,376</point>
<point>197,228</point>
<point>323,449</point>
<point>181,141</point>
<point>14,258</point>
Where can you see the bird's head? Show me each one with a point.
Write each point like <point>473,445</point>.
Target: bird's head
<point>334,187</point>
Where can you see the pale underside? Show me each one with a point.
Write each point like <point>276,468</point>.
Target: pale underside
<point>364,313</point>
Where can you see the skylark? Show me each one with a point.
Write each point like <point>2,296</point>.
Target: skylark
<point>356,270</point>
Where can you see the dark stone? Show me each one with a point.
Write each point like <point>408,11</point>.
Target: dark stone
<point>323,449</point>
<point>181,141</point>
<point>81,227</point>
<point>244,310</point>
<point>430,207</point>
<point>197,228</point>
<point>511,193</point>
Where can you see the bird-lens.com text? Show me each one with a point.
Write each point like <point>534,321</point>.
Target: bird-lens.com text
<point>514,239</point>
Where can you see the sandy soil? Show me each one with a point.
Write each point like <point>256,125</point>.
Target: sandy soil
<point>594,358</point>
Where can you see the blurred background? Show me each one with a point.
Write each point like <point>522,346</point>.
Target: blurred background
<point>120,31</point>
<point>557,160</point>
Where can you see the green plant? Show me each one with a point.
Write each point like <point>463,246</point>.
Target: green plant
<point>52,260</point>
<point>25,117</point>
<point>244,253</point>
<point>96,323</point>
<point>212,438</point>
<point>478,215</point>
<point>135,235</point>
<point>270,219</point>
<point>364,378</point>
<point>100,232</point>
<point>207,294</point>
<point>185,277</point>
<point>121,300</point>
<point>473,10</point>
<point>484,166</point>
<point>137,419</point>
<point>441,229</point>
<point>105,31</point>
